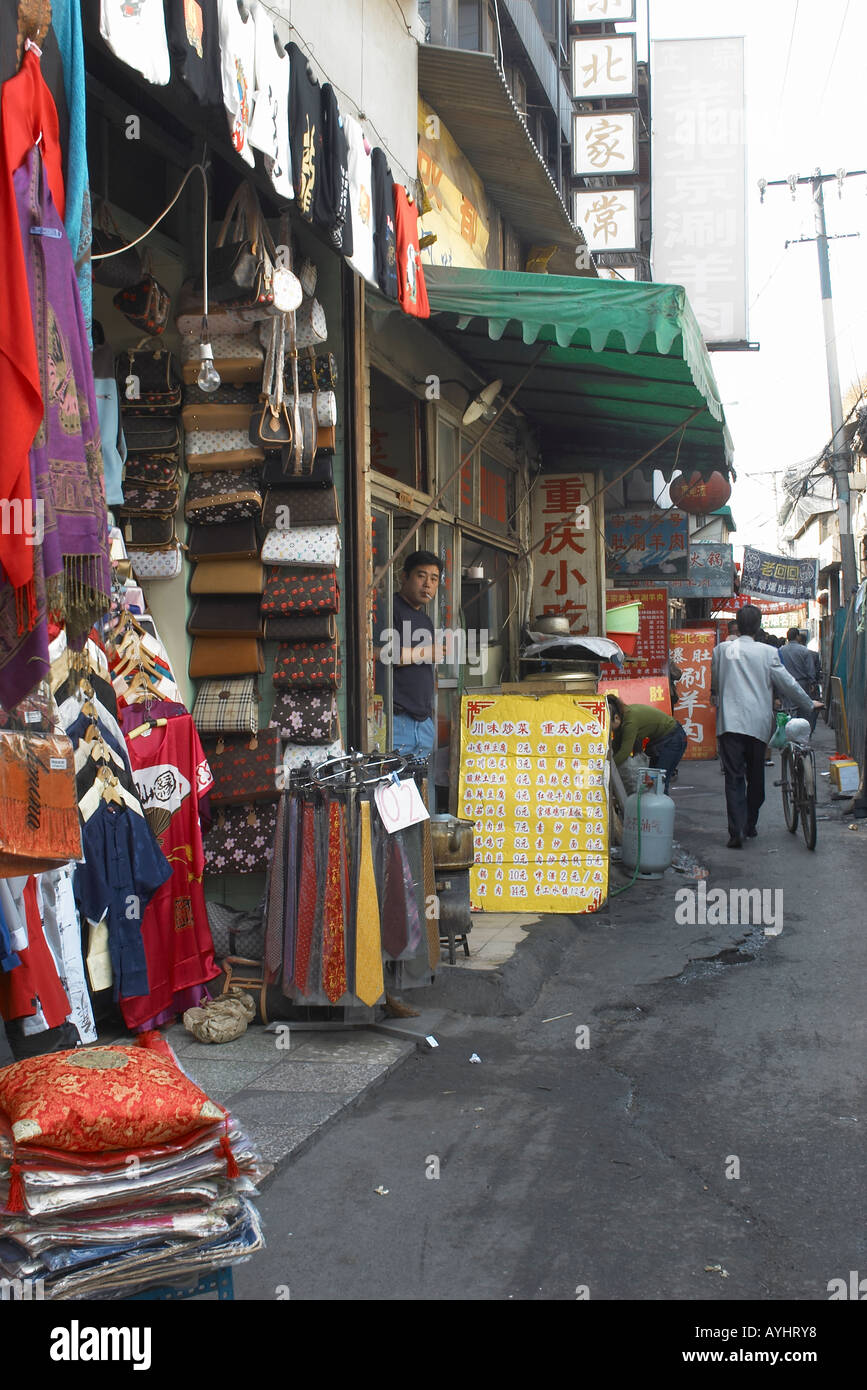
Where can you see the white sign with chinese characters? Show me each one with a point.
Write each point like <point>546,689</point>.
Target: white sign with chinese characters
<point>604,143</point>
<point>604,66</point>
<point>565,572</point>
<point>602,11</point>
<point>698,153</point>
<point>608,217</point>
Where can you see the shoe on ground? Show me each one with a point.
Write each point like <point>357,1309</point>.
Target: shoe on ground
<point>735,842</point>
<point>751,833</point>
<point>769,762</point>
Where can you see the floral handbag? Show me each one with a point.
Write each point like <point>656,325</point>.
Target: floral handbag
<point>295,755</point>
<point>148,381</point>
<point>305,716</point>
<point>158,470</point>
<point>317,373</point>
<point>244,769</point>
<point>303,545</point>
<point>146,304</point>
<point>160,562</point>
<point>303,664</point>
<point>145,499</point>
<point>214,498</point>
<point>225,706</point>
<point>241,839</point>
<point>294,589</point>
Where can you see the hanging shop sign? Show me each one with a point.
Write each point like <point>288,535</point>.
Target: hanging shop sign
<point>456,209</point>
<point>638,692</point>
<point>566,571</point>
<point>602,11</point>
<point>608,217</point>
<point>651,652</point>
<point>605,143</point>
<point>603,65</point>
<point>778,576</point>
<point>648,543</point>
<point>533,780</point>
<point>710,571</point>
<point>692,650</point>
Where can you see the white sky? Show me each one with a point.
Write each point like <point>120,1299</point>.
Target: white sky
<point>813,115</point>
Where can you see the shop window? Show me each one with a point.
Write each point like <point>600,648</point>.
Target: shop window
<point>496,496</point>
<point>477,26</point>
<point>448,457</point>
<point>487,608</point>
<point>398,446</point>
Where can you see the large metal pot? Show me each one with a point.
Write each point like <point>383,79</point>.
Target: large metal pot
<point>452,841</point>
<point>553,624</point>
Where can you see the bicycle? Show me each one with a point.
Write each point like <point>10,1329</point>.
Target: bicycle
<point>798,781</point>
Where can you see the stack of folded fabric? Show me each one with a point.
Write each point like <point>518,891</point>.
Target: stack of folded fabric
<point>149,387</point>
<point>117,1174</point>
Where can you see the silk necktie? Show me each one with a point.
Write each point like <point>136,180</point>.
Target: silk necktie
<point>276,895</point>
<point>333,952</point>
<point>369,982</point>
<point>401,928</point>
<point>290,903</point>
<point>306,896</point>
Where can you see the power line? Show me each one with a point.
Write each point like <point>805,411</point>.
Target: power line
<point>788,58</point>
<point>834,55</point>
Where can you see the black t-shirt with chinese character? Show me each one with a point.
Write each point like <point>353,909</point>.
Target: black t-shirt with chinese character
<point>331,209</point>
<point>305,132</point>
<point>193,32</point>
<point>412,686</point>
<point>384,239</point>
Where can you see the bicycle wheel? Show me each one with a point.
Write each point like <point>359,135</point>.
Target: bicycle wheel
<point>790,804</point>
<point>807,788</point>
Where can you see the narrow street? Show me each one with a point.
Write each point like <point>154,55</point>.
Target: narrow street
<point>706,1145</point>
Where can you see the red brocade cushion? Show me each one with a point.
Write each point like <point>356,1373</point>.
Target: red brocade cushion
<point>95,1098</point>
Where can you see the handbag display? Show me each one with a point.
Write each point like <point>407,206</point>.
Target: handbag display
<point>143,499</point>
<point>294,589</point>
<point>146,532</point>
<point>226,394</point>
<point>300,506</point>
<point>322,403</point>
<point>305,716</point>
<point>151,434</point>
<point>316,373</point>
<point>302,664</point>
<point>226,615</point>
<point>302,545</point>
<point>241,841</point>
<point>160,562</point>
<point>215,451</point>
<point>292,627</point>
<point>159,470</point>
<point>242,266</point>
<point>227,706</point>
<point>244,768</point>
<point>146,304</point>
<point>147,382</point>
<point>206,417</point>
<point>119,270</point>
<point>226,656</point>
<point>215,498</point>
<point>236,541</point>
<point>311,324</point>
<point>237,359</point>
<point>228,577</point>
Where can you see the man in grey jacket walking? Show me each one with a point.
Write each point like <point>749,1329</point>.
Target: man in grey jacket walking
<point>744,675</point>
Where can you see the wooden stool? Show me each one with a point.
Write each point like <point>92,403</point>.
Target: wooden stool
<point>239,971</point>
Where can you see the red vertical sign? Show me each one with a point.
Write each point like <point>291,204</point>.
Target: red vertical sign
<point>692,650</point>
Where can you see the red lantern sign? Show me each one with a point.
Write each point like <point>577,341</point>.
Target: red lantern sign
<point>699,495</point>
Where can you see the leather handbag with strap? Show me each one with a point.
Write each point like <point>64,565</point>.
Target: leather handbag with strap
<point>237,540</point>
<point>242,267</point>
<point>244,577</point>
<point>244,769</point>
<point>226,615</point>
<point>225,706</point>
<point>158,562</point>
<point>146,304</point>
<point>270,425</point>
<point>148,381</point>
<point>317,372</point>
<point>229,656</point>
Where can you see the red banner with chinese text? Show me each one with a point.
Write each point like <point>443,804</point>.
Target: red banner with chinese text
<point>652,650</point>
<point>692,650</point>
<point>638,692</point>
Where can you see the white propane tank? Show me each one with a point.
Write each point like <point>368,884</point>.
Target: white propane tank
<point>657,827</point>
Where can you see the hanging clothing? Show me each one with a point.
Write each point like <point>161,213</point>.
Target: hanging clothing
<point>305,131</point>
<point>385,247</point>
<point>269,129</point>
<point>136,34</point>
<point>110,427</point>
<point>62,927</point>
<point>238,62</point>
<point>332,198</point>
<point>360,172</point>
<point>193,33</point>
<point>412,291</point>
<point>171,774</point>
<point>66,24</point>
<point>33,990</point>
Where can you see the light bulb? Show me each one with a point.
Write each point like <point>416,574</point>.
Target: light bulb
<point>209,378</point>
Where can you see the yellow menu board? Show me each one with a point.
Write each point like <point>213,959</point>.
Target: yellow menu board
<point>534,780</point>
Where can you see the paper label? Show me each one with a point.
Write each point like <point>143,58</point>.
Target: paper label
<point>400,804</point>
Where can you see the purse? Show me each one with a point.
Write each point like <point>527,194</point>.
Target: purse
<point>147,382</point>
<point>293,627</point>
<point>294,589</point>
<point>147,532</point>
<point>236,541</point>
<point>302,545</point>
<point>241,841</point>
<point>270,425</point>
<point>143,499</point>
<point>237,359</point>
<point>295,755</point>
<point>150,434</point>
<point>311,325</point>
<point>228,577</point>
<point>322,474</point>
<point>226,394</point>
<point>227,706</point>
<point>323,404</point>
<point>159,470</point>
<point>300,506</point>
<point>244,769</point>
<point>214,451</point>
<point>226,615</point>
<point>243,271</point>
<point>220,416</point>
<point>119,270</point>
<point>214,498</point>
<point>302,664</point>
<point>316,373</point>
<point>146,304</point>
<point>305,716</point>
<point>231,656</point>
<point>159,562</point>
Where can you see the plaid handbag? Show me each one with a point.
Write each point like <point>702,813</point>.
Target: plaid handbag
<point>305,716</point>
<point>225,706</point>
<point>300,506</point>
<point>295,589</point>
<point>244,769</point>
<point>302,664</point>
<point>241,841</point>
<point>214,498</point>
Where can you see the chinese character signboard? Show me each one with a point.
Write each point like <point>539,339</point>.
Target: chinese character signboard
<point>604,143</point>
<point>608,217</point>
<point>652,648</point>
<point>710,571</point>
<point>459,212</point>
<point>647,543</point>
<point>566,574</point>
<point>602,11</point>
<point>692,651</point>
<point>638,692</point>
<point>699,179</point>
<point>603,66</point>
<point>534,781</point>
<point>778,576</point>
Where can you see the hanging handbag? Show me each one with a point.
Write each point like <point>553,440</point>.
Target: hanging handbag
<point>302,664</point>
<point>323,403</point>
<point>244,769</point>
<point>311,326</point>
<point>216,451</point>
<point>305,716</point>
<point>302,545</point>
<point>215,498</point>
<point>270,426</point>
<point>119,270</point>
<point>159,562</point>
<point>228,577</point>
<point>236,541</point>
<point>143,499</point>
<point>149,434</point>
<point>247,393</point>
<point>276,473</point>
<point>227,706</point>
<point>300,506</point>
<point>308,275</point>
<point>241,841</point>
<point>229,656</point>
<point>294,589</point>
<point>316,373</point>
<point>160,470</point>
<point>226,615</point>
<point>203,418</point>
<point>146,304</point>
<point>145,532</point>
<point>290,627</point>
<point>243,271</point>
<point>147,382</point>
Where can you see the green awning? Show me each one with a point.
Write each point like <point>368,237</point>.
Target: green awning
<point>625,364</point>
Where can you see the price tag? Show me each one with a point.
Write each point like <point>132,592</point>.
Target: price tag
<point>32,716</point>
<point>57,764</point>
<point>399,804</point>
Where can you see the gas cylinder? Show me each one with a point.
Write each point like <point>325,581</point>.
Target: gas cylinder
<point>657,826</point>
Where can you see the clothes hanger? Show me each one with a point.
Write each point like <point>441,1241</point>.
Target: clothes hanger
<point>146,727</point>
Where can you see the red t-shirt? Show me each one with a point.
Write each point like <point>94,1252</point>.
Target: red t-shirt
<point>411,288</point>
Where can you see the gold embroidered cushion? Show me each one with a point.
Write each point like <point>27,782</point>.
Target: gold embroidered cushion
<point>95,1098</point>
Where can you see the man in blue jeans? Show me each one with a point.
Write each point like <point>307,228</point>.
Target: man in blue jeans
<point>412,653</point>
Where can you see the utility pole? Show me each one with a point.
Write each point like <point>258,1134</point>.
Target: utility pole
<point>840,449</point>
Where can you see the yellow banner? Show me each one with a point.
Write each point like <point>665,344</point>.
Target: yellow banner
<point>534,780</point>
<point>459,213</point>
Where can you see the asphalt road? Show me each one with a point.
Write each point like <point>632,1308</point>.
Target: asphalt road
<point>706,1144</point>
